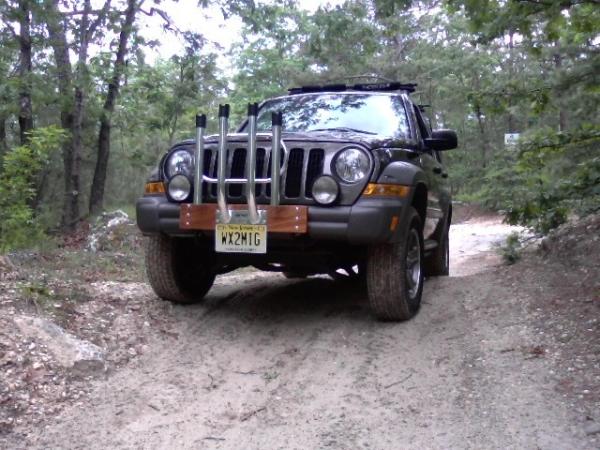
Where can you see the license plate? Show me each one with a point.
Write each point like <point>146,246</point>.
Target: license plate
<point>240,238</point>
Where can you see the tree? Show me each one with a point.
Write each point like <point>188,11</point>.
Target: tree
<point>25,66</point>
<point>7,106</point>
<point>99,181</point>
<point>72,89</point>
<point>19,13</point>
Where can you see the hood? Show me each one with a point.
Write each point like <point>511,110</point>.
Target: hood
<point>329,136</point>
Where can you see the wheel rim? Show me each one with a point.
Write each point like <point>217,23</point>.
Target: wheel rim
<point>413,263</point>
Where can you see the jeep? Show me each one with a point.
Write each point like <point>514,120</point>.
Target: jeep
<point>345,180</point>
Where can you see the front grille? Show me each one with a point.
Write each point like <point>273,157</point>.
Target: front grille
<point>314,169</point>
<point>293,178</point>
<point>304,165</point>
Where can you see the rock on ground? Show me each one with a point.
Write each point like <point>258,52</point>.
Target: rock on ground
<point>81,357</point>
<point>8,271</point>
<point>113,231</point>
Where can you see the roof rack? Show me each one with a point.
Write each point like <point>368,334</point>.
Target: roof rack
<point>372,78</point>
<point>367,87</point>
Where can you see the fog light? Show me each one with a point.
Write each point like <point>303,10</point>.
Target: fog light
<point>179,188</point>
<point>325,190</point>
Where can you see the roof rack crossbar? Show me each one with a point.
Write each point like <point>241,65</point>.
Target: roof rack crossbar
<point>365,87</point>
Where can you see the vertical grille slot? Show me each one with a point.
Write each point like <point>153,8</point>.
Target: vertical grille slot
<point>207,157</point>
<point>293,179</point>
<point>260,169</point>
<point>281,159</point>
<point>238,166</point>
<point>314,168</point>
<point>208,154</point>
<point>213,172</point>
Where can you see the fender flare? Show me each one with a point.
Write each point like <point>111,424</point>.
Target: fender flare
<point>407,174</point>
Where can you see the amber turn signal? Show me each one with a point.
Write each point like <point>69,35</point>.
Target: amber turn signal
<point>386,190</point>
<point>155,188</point>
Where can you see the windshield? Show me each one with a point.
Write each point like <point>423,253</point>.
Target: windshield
<point>378,114</point>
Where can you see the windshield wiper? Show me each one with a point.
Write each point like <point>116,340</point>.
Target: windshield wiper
<point>345,129</point>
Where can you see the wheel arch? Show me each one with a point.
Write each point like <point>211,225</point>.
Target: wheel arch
<point>419,201</point>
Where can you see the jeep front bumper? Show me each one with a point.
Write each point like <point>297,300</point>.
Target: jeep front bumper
<point>368,221</point>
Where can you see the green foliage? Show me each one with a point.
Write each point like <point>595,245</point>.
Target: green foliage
<point>561,171</point>
<point>270,59</point>
<point>511,250</point>
<point>21,166</point>
<point>551,175</point>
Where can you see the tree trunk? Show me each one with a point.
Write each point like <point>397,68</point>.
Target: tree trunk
<point>99,181</point>
<point>3,144</point>
<point>562,113</point>
<point>72,92</point>
<point>24,72</point>
<point>484,145</point>
<point>511,122</point>
<point>484,142</point>
<point>79,108</point>
<point>60,47</point>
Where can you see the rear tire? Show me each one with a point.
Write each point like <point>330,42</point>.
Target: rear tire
<point>395,273</point>
<point>179,270</point>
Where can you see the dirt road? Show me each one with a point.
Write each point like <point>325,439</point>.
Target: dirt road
<point>271,363</point>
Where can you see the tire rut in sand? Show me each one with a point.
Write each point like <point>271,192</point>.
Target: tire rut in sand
<point>273,363</point>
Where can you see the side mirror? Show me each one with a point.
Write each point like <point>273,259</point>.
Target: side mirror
<point>442,140</point>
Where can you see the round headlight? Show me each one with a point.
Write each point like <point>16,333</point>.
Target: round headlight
<point>179,188</point>
<point>325,190</point>
<point>352,165</point>
<point>179,162</point>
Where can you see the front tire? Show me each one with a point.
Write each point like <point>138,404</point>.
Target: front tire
<point>179,269</point>
<point>395,273</point>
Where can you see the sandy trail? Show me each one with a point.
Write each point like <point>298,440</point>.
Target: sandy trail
<point>271,363</point>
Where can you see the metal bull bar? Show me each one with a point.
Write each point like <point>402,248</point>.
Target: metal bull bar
<point>250,180</point>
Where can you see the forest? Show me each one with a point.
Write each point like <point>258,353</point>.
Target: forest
<point>85,114</point>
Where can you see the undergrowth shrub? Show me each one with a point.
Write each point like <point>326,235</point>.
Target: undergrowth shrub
<point>549,176</point>
<point>511,250</point>
<point>19,227</point>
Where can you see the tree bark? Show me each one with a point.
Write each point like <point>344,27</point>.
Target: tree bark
<point>99,181</point>
<point>24,72</point>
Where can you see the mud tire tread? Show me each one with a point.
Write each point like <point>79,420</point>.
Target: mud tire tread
<point>164,260</point>
<point>386,283</point>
